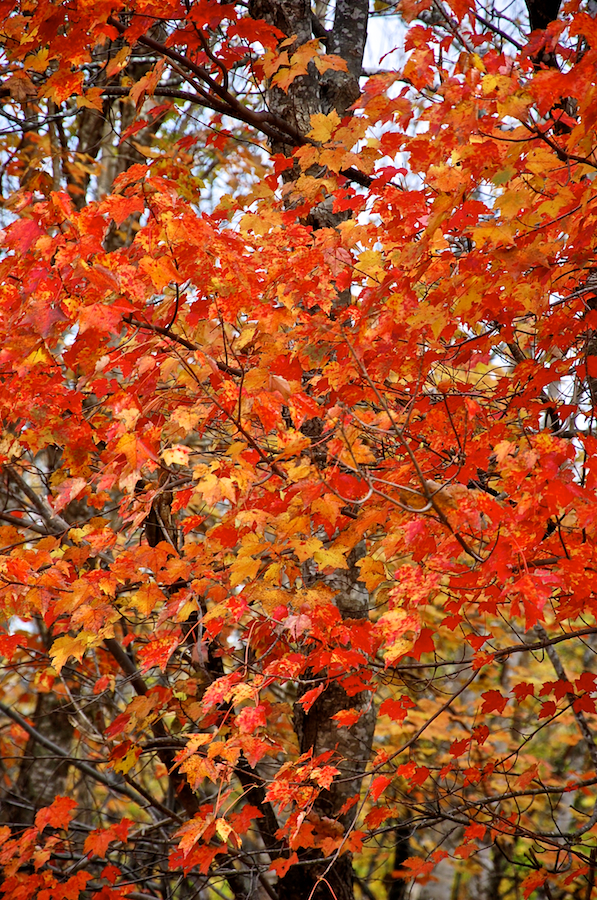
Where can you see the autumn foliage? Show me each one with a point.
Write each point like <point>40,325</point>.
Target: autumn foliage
<point>298,520</point>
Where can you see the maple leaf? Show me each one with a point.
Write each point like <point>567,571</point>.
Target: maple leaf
<point>157,652</point>
<point>475,831</point>
<point>57,815</point>
<point>192,831</point>
<point>378,786</point>
<point>281,865</point>
<point>120,208</point>
<point>533,881</point>
<point>124,756</point>
<point>71,889</point>
<point>396,709</point>
<point>493,701</point>
<point>250,718</point>
<point>399,629</point>
<point>97,842</point>
<point>309,697</point>
<point>67,491</point>
<point>587,682</point>
<point>66,646</point>
<point>323,126</point>
<point>161,271</point>
<point>62,84</point>
<point>147,84</point>
<point>347,717</point>
<point>324,775</point>
<point>417,867</point>
<point>356,373</point>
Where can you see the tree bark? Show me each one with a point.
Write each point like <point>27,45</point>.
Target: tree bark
<point>542,12</point>
<point>316,730</point>
<point>41,777</point>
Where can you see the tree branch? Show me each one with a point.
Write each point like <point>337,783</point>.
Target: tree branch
<point>543,644</point>
<point>271,125</point>
<point>62,754</point>
<point>583,725</point>
<point>165,332</point>
<point>183,790</point>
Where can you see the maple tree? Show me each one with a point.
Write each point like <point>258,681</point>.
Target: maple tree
<point>298,519</point>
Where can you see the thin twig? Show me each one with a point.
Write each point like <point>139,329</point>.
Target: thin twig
<point>62,754</point>
<point>178,339</point>
<point>583,725</point>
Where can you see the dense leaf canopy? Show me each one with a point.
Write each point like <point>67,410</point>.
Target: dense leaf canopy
<point>298,521</point>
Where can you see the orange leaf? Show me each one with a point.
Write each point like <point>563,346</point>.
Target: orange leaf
<point>281,865</point>
<point>57,815</point>
<point>533,881</point>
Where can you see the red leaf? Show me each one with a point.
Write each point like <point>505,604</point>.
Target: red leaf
<point>97,842</point>
<point>585,704</point>
<point>548,709</point>
<point>347,717</point>
<point>523,690</point>
<point>475,831</point>
<point>533,881</point>
<point>309,697</point>
<point>250,719</point>
<point>57,815</point>
<point>421,775</point>
<point>586,682</point>
<point>9,643</point>
<point>281,865</point>
<point>493,701</point>
<point>423,644</point>
<point>158,651</point>
<point>378,786</point>
<point>457,748</point>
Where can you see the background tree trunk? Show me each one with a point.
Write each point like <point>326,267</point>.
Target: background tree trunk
<point>41,777</point>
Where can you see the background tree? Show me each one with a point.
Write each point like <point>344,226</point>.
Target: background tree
<point>298,452</point>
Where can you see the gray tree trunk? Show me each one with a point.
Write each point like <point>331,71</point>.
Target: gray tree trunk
<point>316,729</point>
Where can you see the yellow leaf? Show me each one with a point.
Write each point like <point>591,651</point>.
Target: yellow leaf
<point>492,234</point>
<point>446,178</point>
<point>38,62</point>
<point>305,548</point>
<point>281,385</point>
<point>38,357</point>
<point>307,156</point>
<point>273,573</point>
<point>118,62</point>
<point>360,453</point>
<point>66,646</point>
<point>322,126</point>
<point>334,557</point>
<point>197,768</point>
<point>371,263</point>
<point>399,629</point>
<point>9,447</point>
<point>242,692</point>
<point>223,829</point>
<point>372,572</point>
<point>243,569</point>
<point>161,271</point>
<point>126,762</point>
<point>296,471</point>
<point>191,831</point>
<point>177,455</point>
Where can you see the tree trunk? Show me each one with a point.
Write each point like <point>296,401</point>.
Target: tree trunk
<point>41,777</point>
<point>316,730</point>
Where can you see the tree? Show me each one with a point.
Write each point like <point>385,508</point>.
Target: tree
<point>298,511</point>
